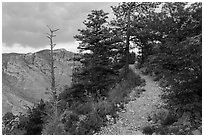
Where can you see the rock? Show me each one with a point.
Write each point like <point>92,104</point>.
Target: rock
<point>197,114</point>
<point>138,133</point>
<point>187,129</point>
<point>184,120</point>
<point>160,115</point>
<point>200,128</point>
<point>196,132</point>
<point>154,118</point>
<point>154,133</point>
<point>180,130</point>
<point>123,111</point>
<point>82,117</point>
<point>187,123</point>
<point>173,128</point>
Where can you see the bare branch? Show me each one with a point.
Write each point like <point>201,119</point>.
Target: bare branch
<point>55,30</point>
<point>48,34</point>
<point>52,31</point>
<point>46,113</point>
<point>48,37</point>
<point>49,28</point>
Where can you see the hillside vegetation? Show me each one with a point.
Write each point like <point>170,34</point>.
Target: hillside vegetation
<point>169,38</point>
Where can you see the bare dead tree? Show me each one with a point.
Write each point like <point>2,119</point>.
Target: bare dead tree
<point>50,36</point>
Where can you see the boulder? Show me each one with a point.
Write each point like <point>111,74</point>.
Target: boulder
<point>184,120</point>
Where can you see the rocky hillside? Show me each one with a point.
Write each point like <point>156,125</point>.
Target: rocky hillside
<point>25,77</point>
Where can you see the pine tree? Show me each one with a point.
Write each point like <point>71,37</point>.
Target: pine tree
<point>98,46</point>
<point>171,46</point>
<point>130,20</point>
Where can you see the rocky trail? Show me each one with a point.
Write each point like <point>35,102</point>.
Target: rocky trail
<point>135,117</point>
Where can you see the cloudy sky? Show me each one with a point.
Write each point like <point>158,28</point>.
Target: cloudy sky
<point>24,24</point>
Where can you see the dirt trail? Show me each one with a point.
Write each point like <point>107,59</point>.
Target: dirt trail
<point>135,117</point>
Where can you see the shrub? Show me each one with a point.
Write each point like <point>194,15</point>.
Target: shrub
<point>122,89</point>
<point>147,130</point>
<point>94,121</point>
<point>9,123</point>
<point>83,108</point>
<point>70,121</point>
<point>96,111</point>
<point>30,124</point>
<point>54,127</point>
<point>36,117</point>
<point>104,108</point>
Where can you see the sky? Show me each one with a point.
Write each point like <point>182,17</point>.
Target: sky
<point>24,24</point>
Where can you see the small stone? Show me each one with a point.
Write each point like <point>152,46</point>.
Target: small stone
<point>123,111</point>
<point>197,114</point>
<point>188,128</point>
<point>154,133</point>
<point>173,128</point>
<point>196,132</point>
<point>180,130</point>
<point>187,123</point>
<point>200,128</point>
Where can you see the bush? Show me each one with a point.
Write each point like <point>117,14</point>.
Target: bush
<point>54,127</point>
<point>70,122</point>
<point>30,124</point>
<point>104,108</point>
<point>147,130</point>
<point>121,90</point>
<point>96,112</point>
<point>91,124</point>
<point>94,122</point>
<point>36,117</point>
<point>9,123</point>
<point>83,108</point>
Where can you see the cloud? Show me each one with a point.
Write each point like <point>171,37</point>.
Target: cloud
<point>25,23</point>
<point>18,48</point>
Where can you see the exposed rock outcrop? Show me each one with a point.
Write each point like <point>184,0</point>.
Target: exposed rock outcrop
<point>26,77</point>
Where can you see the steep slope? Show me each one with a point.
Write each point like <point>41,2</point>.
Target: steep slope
<point>26,77</point>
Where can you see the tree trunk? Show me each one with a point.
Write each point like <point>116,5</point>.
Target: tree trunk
<point>127,42</point>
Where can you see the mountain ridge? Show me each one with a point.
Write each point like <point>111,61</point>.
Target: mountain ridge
<point>26,77</point>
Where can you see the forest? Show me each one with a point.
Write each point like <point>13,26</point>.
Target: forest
<point>168,36</point>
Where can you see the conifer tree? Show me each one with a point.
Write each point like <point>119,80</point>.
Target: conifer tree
<point>97,45</point>
<point>130,18</point>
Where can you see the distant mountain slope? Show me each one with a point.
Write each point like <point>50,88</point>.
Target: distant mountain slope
<point>25,77</point>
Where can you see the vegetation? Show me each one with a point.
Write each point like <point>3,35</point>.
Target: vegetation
<point>170,42</point>
<point>174,56</point>
<point>97,44</point>
<point>29,124</point>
